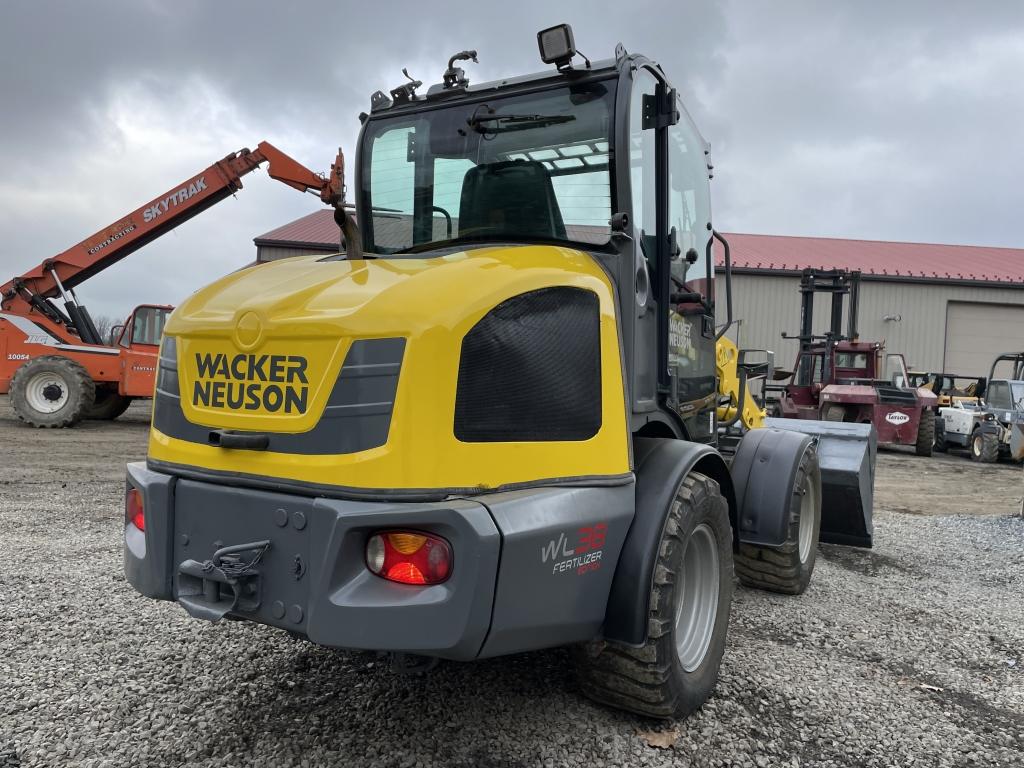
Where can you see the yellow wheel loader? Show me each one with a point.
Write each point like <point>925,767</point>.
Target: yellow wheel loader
<point>499,421</point>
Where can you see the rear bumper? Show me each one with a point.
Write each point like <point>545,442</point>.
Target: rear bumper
<point>504,595</point>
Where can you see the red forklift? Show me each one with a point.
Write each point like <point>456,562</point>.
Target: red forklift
<point>53,362</point>
<point>839,378</point>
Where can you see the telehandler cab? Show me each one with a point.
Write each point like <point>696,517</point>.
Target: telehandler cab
<point>493,424</point>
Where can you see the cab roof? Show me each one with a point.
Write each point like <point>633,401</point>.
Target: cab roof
<point>382,105</point>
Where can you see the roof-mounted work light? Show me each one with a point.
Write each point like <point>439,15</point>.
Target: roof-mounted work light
<point>556,45</point>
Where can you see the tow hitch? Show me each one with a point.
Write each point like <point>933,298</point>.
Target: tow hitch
<point>226,582</point>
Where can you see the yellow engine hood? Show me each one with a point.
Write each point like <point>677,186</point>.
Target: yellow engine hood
<point>297,318</point>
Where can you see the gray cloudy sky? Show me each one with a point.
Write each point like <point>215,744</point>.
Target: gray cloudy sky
<point>876,120</point>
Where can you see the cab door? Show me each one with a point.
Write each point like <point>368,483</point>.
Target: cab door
<point>691,332</point>
<point>671,208</point>
<point>139,348</point>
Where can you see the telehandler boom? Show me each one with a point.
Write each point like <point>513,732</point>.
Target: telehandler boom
<point>52,360</point>
<point>506,418</point>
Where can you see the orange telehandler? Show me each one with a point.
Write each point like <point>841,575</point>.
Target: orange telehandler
<point>53,362</point>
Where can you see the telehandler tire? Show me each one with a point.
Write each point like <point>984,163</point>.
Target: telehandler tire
<point>675,670</point>
<point>925,434</point>
<point>108,405</point>
<point>788,568</point>
<point>52,392</point>
<point>984,447</point>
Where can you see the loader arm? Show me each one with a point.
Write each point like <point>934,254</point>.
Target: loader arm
<point>732,386</point>
<point>62,273</point>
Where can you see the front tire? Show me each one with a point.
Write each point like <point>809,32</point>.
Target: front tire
<point>676,669</point>
<point>984,447</point>
<point>925,434</point>
<point>52,392</point>
<point>788,568</point>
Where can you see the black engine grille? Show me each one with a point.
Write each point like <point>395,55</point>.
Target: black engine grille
<point>530,370</point>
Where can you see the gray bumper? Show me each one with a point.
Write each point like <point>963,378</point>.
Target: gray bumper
<point>313,581</point>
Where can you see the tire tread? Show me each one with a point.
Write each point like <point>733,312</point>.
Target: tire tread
<point>77,376</point>
<point>640,679</point>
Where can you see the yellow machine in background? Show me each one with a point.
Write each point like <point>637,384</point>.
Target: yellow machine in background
<point>733,386</point>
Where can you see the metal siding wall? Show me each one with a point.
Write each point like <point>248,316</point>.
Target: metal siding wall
<point>770,305</point>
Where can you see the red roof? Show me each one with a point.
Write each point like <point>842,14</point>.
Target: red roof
<point>878,257</point>
<point>775,253</point>
<point>315,229</point>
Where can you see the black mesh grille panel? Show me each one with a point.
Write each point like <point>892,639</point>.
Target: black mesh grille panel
<point>895,395</point>
<point>530,370</point>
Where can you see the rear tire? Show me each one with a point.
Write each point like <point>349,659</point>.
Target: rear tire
<point>52,392</point>
<point>925,434</point>
<point>940,444</point>
<point>788,568</point>
<point>984,447</point>
<point>675,670</point>
<point>108,405</point>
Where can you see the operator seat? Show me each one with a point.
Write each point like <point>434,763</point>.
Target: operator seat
<point>513,197</point>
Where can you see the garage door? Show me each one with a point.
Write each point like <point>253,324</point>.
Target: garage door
<point>976,333</point>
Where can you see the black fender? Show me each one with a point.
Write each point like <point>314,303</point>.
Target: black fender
<point>660,465</point>
<point>763,473</point>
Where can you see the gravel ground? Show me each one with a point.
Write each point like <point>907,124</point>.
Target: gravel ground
<point>908,654</point>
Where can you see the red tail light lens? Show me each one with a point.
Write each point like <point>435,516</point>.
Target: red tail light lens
<point>133,509</point>
<point>409,557</point>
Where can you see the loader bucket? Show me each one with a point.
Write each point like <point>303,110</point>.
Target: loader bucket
<point>846,455</point>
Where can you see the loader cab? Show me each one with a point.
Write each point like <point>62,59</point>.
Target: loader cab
<point>604,160</point>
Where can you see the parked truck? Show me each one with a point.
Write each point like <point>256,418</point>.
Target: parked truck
<point>505,418</point>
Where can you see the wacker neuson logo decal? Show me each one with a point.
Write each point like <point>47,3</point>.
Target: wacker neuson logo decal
<point>174,199</point>
<point>269,383</point>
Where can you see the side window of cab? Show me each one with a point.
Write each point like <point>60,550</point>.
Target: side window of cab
<point>998,395</point>
<point>689,205</point>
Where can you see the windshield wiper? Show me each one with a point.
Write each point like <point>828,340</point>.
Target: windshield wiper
<point>438,244</point>
<point>496,237</point>
<point>509,123</point>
